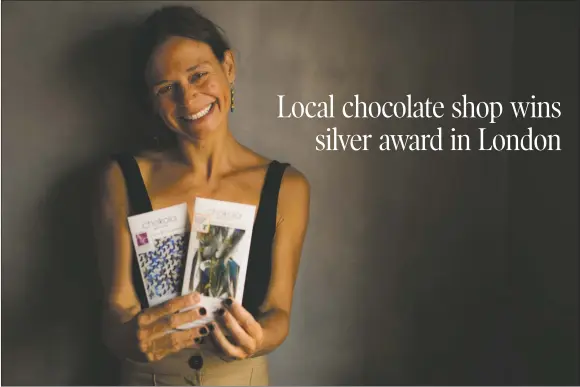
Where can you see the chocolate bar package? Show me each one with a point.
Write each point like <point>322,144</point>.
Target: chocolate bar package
<point>160,239</point>
<point>218,252</point>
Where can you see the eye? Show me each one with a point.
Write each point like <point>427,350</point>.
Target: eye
<point>164,89</point>
<point>197,76</point>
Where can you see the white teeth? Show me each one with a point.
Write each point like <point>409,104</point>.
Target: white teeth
<point>200,114</point>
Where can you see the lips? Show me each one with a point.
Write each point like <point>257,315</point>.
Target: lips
<point>202,113</point>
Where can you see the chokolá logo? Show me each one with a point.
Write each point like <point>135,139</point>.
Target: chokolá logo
<point>159,222</point>
<point>224,214</point>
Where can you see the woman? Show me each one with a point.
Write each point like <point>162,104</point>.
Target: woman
<point>186,71</point>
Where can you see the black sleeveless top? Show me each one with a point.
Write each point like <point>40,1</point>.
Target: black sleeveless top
<point>260,257</point>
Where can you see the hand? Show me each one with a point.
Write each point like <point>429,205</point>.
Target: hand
<point>154,325</point>
<point>246,333</point>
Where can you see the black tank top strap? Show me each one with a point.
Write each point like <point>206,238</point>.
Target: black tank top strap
<point>260,258</point>
<point>138,197</point>
<point>139,203</point>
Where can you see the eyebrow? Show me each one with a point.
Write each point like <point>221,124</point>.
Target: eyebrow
<point>189,70</point>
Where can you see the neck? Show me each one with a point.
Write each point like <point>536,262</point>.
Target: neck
<point>208,156</point>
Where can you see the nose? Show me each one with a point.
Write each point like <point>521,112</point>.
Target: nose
<point>186,94</point>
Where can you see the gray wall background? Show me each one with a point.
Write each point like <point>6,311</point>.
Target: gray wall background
<point>419,268</point>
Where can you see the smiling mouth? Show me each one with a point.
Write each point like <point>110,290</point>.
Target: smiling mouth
<point>200,114</point>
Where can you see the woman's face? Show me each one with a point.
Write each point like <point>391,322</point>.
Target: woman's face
<point>190,87</point>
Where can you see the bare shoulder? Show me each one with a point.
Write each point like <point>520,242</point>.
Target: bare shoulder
<point>294,182</point>
<point>113,190</point>
<point>112,183</point>
<point>294,198</point>
<point>112,178</point>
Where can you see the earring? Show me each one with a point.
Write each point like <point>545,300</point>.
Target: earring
<point>232,97</point>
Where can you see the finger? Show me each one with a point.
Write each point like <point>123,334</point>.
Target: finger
<point>153,314</point>
<point>173,321</point>
<point>239,335</point>
<point>226,346</point>
<point>245,319</point>
<point>158,354</point>
<point>178,340</point>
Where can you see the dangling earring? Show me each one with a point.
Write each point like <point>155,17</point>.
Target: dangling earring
<point>232,107</point>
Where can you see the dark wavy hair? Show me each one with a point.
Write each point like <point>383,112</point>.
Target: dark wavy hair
<point>164,23</point>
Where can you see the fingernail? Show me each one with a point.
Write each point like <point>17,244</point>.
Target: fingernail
<point>203,330</point>
<point>221,312</point>
<point>211,327</point>
<point>228,302</point>
<point>202,311</point>
<point>197,340</point>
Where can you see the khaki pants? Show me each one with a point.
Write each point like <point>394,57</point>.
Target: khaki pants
<point>180,369</point>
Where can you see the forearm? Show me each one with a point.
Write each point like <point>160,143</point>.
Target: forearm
<point>275,326</point>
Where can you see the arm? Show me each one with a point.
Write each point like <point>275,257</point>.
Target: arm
<point>121,304</point>
<point>129,331</point>
<point>293,207</point>
<point>256,338</point>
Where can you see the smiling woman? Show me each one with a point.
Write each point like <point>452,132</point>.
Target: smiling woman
<point>172,79</point>
<point>184,72</point>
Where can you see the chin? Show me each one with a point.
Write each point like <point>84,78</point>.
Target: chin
<point>198,131</point>
<point>193,132</point>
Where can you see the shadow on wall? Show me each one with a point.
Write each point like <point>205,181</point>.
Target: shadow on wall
<point>100,69</point>
<point>68,349</point>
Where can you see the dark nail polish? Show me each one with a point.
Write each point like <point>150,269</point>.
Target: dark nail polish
<point>229,302</point>
<point>197,340</point>
<point>211,327</point>
<point>221,312</point>
<point>203,331</point>
<point>202,311</point>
